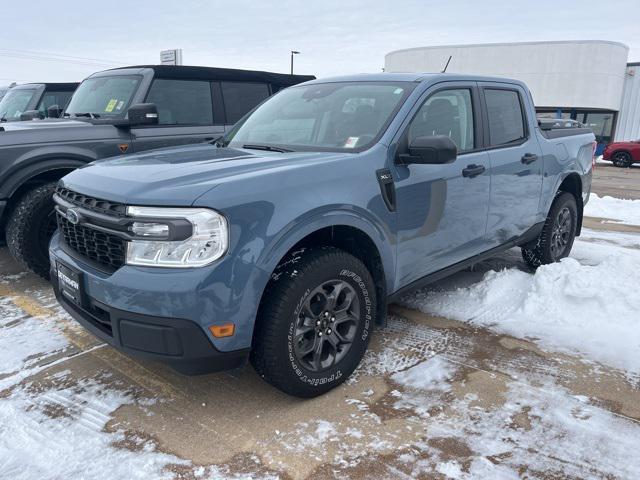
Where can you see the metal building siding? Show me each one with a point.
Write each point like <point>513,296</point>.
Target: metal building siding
<point>586,74</point>
<point>628,127</point>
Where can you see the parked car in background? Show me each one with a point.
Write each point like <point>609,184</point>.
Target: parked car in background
<point>35,100</point>
<point>283,241</point>
<point>5,89</point>
<point>622,154</point>
<point>126,110</point>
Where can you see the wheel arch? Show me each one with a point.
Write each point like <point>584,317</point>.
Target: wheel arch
<point>349,233</point>
<point>572,183</point>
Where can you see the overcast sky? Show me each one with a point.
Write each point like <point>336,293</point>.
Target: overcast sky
<point>335,37</point>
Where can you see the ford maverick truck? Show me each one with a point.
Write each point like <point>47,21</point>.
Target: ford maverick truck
<point>283,241</point>
<point>115,112</point>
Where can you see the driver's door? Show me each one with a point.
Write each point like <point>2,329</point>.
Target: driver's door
<point>442,210</point>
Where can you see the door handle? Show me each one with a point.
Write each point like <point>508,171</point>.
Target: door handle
<point>528,158</point>
<point>472,170</point>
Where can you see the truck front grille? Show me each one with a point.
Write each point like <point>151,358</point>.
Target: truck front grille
<point>101,247</point>
<point>91,203</point>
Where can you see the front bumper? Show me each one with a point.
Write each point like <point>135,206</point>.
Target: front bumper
<point>181,343</point>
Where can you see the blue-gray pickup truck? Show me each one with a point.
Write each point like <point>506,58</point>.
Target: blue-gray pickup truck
<point>283,241</point>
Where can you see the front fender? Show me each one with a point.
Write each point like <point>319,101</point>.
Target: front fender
<point>329,216</point>
<point>34,162</point>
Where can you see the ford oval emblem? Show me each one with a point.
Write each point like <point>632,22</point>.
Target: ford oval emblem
<point>73,216</point>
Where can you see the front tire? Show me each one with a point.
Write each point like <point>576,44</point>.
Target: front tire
<point>556,239</point>
<point>30,227</point>
<point>622,159</point>
<point>315,322</point>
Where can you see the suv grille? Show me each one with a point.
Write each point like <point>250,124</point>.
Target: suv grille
<point>91,203</point>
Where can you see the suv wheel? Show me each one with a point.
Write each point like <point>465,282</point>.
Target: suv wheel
<point>315,322</point>
<point>557,236</point>
<point>622,159</point>
<point>30,227</point>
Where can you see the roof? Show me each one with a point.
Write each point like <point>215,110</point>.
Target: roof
<point>414,77</point>
<point>58,86</point>
<point>229,74</point>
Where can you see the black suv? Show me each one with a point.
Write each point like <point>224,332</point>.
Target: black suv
<point>35,100</point>
<point>115,112</point>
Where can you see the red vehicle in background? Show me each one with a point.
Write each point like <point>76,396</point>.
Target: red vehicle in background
<point>622,154</point>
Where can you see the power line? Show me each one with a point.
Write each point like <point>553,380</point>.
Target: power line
<point>57,58</point>
<point>62,55</point>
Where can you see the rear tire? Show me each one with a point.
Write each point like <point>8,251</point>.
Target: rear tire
<point>622,159</point>
<point>556,239</point>
<point>30,227</point>
<point>315,322</point>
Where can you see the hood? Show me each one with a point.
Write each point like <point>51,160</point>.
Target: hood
<point>38,124</point>
<point>178,176</point>
<point>57,130</point>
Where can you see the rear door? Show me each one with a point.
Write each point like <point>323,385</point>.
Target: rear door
<point>186,114</point>
<point>442,209</point>
<point>516,161</point>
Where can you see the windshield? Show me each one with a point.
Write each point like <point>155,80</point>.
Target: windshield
<point>14,103</point>
<point>103,96</point>
<point>339,116</point>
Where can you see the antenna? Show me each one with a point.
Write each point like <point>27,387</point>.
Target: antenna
<point>445,67</point>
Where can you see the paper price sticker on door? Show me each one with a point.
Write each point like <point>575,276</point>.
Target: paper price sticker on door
<point>111,105</point>
<point>351,142</point>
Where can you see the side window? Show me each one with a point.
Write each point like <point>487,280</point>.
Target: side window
<point>240,98</point>
<point>448,112</point>
<point>182,102</point>
<point>506,119</point>
<point>50,99</point>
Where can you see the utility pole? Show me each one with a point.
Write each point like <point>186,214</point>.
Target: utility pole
<point>293,52</point>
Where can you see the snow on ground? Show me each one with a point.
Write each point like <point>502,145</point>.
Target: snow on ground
<point>586,304</point>
<point>60,433</point>
<point>617,209</point>
<point>548,430</point>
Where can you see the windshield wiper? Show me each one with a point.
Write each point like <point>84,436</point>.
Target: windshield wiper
<point>268,148</point>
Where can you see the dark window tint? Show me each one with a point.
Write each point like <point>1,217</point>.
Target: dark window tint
<point>50,99</point>
<point>506,120</point>
<point>240,98</point>
<point>449,113</point>
<point>182,102</point>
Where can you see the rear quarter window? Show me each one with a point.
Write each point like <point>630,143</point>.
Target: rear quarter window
<point>506,117</point>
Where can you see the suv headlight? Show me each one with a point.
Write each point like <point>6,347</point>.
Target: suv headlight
<point>208,242</point>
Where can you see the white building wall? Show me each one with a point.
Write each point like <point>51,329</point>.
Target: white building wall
<point>583,74</point>
<point>628,127</point>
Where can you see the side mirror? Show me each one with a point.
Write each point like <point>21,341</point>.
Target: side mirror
<point>434,149</point>
<point>54,111</point>
<point>143,114</point>
<point>31,115</point>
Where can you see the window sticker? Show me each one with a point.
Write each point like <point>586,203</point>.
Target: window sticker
<point>111,105</point>
<point>398,91</point>
<point>351,142</point>
<point>120,105</point>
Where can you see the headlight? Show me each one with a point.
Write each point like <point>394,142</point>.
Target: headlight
<point>208,242</point>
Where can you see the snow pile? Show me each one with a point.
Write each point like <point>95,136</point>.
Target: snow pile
<point>568,306</point>
<point>620,210</point>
